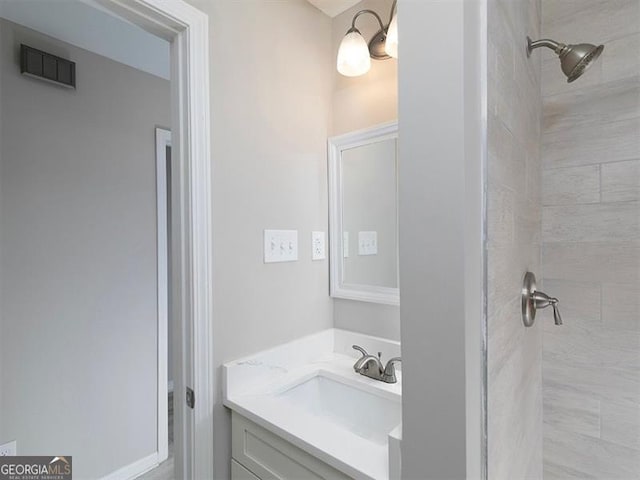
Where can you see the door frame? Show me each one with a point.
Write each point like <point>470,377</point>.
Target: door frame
<point>163,140</point>
<point>187,28</point>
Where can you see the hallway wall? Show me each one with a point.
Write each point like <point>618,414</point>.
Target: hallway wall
<point>78,275</point>
<point>591,244</point>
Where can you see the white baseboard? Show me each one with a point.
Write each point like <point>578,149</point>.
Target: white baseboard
<point>170,387</point>
<point>135,469</point>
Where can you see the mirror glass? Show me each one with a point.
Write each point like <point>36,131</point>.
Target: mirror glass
<point>369,214</point>
<point>363,168</point>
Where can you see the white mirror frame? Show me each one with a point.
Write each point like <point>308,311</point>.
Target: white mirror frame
<point>336,145</point>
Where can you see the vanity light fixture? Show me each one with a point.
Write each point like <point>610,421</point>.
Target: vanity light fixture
<point>354,55</point>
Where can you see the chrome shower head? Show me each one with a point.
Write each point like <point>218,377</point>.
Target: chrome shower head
<point>574,59</point>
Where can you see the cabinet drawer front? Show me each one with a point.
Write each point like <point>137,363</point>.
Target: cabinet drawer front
<point>238,472</point>
<point>273,458</point>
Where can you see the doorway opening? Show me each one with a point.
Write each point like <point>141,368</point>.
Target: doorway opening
<point>185,29</point>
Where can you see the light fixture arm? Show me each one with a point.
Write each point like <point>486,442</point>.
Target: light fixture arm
<point>362,12</point>
<point>394,7</point>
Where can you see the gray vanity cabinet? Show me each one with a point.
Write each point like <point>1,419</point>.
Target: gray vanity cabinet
<point>261,455</point>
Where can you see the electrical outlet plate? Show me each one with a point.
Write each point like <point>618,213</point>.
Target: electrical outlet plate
<point>9,449</point>
<point>317,246</point>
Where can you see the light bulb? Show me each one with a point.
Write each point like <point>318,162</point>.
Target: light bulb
<point>391,44</point>
<point>353,55</point>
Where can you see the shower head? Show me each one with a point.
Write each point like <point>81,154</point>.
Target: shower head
<point>574,59</point>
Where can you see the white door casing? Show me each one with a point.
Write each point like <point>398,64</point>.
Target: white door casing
<point>191,231</point>
<point>163,140</point>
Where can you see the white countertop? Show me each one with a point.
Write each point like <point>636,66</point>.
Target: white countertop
<point>252,387</point>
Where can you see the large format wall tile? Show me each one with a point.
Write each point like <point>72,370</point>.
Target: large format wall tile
<point>594,21</point>
<point>593,106</point>
<point>606,262</point>
<point>620,423</point>
<point>571,186</point>
<point>622,57</point>
<point>621,181</point>
<point>514,216</point>
<point>571,412</point>
<point>592,144</point>
<point>616,222</point>
<point>621,306</point>
<point>571,455</point>
<point>591,245</point>
<point>592,346</point>
<point>607,384</point>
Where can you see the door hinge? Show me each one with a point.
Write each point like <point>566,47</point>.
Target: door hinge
<point>191,398</point>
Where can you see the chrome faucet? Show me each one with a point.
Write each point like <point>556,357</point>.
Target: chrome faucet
<point>371,366</point>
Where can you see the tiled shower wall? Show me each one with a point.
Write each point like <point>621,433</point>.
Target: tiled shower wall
<point>591,244</point>
<point>514,220</point>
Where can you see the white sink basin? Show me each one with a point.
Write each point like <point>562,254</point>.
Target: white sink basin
<point>365,413</point>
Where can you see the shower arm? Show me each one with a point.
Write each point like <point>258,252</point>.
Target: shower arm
<point>545,42</point>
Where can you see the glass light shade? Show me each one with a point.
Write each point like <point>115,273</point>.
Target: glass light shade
<point>391,44</point>
<point>353,55</point>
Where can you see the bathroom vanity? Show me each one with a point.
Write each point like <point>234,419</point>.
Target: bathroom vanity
<point>301,411</point>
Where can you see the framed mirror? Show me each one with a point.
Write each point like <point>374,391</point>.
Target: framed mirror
<point>363,215</point>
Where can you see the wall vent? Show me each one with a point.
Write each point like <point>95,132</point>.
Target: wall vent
<point>38,64</point>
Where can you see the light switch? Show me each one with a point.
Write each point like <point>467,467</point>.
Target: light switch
<point>280,246</point>
<point>367,243</point>
<point>317,246</point>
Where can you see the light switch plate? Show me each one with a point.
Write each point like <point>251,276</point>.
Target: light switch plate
<point>9,449</point>
<point>317,246</point>
<point>367,243</point>
<point>280,246</point>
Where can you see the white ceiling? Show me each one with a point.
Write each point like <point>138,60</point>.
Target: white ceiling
<point>84,24</point>
<point>333,7</point>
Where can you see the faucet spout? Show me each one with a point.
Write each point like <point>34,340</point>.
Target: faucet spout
<point>377,371</point>
<point>363,363</point>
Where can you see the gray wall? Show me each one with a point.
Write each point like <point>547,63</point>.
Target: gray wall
<point>432,238</point>
<point>591,244</point>
<point>514,367</point>
<point>361,102</point>
<point>270,109</point>
<point>78,258</point>
<point>2,437</point>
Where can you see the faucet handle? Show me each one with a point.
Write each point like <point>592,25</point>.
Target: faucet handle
<point>360,349</point>
<point>556,313</point>
<point>390,370</point>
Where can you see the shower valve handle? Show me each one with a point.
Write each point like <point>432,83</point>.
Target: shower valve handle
<point>542,300</point>
<point>532,300</point>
